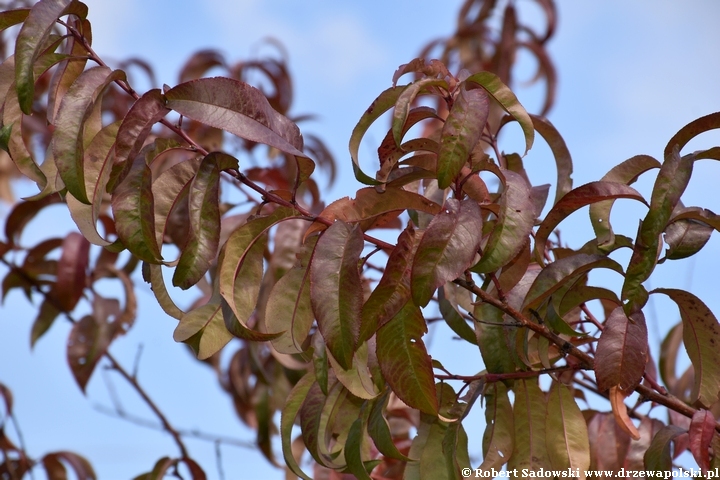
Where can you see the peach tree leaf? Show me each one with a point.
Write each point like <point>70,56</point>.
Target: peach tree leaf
<point>702,430</point>
<point>498,439</point>
<point>692,130</point>
<point>290,410</point>
<point>71,271</point>
<point>529,413</point>
<point>379,430</point>
<point>87,343</point>
<point>171,187</point>
<point>658,457</point>
<point>404,103</point>
<point>622,351</point>
<point>566,432</point>
<point>559,149</point>
<point>203,328</point>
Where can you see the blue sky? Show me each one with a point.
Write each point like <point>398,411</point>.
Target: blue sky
<point>630,75</point>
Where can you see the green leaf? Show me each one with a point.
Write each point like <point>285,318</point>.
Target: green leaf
<point>134,130</point>
<point>529,412</point>
<point>448,247</point>
<point>513,227</point>
<point>287,419</point>
<point>242,110</point>
<point>203,328</point>
<point>310,418</point>
<point>31,40</point>
<point>133,209</point>
<point>462,129</point>
<point>68,140</point>
<point>404,361</point>
<point>336,289</point>
<point>427,447</point>
<point>353,450</point>
<point>13,17</point>
<point>204,233</point>
<point>496,342</point>
<point>559,149</point>
<point>566,432</point>
<point>626,172</point>
<point>379,430</point>
<point>498,439</point>
<point>393,290</point>
<point>380,105</point>
<point>508,101</point>
<point>622,351</point>
<point>669,185</point>
<point>658,457</point>
<point>582,196</point>
<point>701,336</point>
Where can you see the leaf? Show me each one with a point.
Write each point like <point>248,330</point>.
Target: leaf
<point>68,71</point>
<point>357,379</point>
<point>622,351</point>
<point>582,196</point>
<point>134,130</point>
<point>204,234</point>
<point>404,361</point>
<point>203,328</point>
<point>529,411</point>
<point>13,17</point>
<point>669,185</point>
<point>685,237</point>
<point>461,131</point>
<point>702,430</point>
<point>87,343</point>
<point>133,209</point>
<point>22,213</point>
<point>566,432</point>
<point>513,227</point>
<point>393,290</point>
<point>289,310</point>
<point>380,105</point>
<point>658,457</point>
<point>171,187</point>
<point>353,450</point>
<point>617,402</point>
<point>82,468</point>
<point>242,110</point>
<point>701,335</point>
<point>157,285</point>
<point>336,289</point>
<point>31,40</point>
<point>287,420</point>
<point>668,356</point>
<point>692,130</point>
<point>71,271</point>
<point>69,136</point>
<point>379,430</point>
<point>626,172</point>
<point>508,101</point>
<point>453,318</point>
<point>498,439</point>
<point>447,248</point>
<point>12,141</point>
<point>47,313</point>
<point>559,149</point>
<point>405,101</point>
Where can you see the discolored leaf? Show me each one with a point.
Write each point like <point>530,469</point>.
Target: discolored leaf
<point>453,318</point>
<point>289,310</point>
<point>582,196</point>
<point>529,411</point>
<point>68,71</point>
<point>702,429</point>
<point>357,379</point>
<point>692,130</point>
<point>47,313</point>
<point>393,290</point>
<point>87,343</point>
<point>379,430</point>
<point>76,108</point>
<point>405,100</point>
<point>619,410</point>
<point>448,247</point>
<point>289,411</point>
<point>71,271</point>
<point>508,101</point>
<point>170,188</point>
<point>701,336</point>
<point>336,291</point>
<point>685,237</point>
<point>13,17</point>
<point>461,131</point>
<point>514,224</point>
<point>404,361</point>
<point>559,149</point>
<point>203,328</point>
<point>157,284</point>
<point>658,457</point>
<point>498,439</point>
<point>353,450</point>
<point>80,465</point>
<point>622,351</point>
<point>566,432</point>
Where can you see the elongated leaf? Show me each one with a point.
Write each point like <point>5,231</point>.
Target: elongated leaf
<point>242,110</point>
<point>559,149</point>
<point>289,310</point>
<point>379,430</point>
<point>336,292</point>
<point>157,284</point>
<point>80,465</point>
<point>310,417</point>
<point>68,71</point>
<point>563,271</point>
<point>692,130</point>
<point>71,271</point>
<point>494,339</point>
<point>171,188</point>
<point>498,439</point>
<point>658,457</point>
<point>32,39</point>
<point>405,101</point>
<point>404,361</point>
<point>453,318</point>
<point>626,172</point>
<point>380,105</point>
<point>13,17</point>
<point>47,313</point>
<point>619,410</point>
<point>529,411</point>
<point>622,351</point>
<point>514,224</point>
<point>68,139</point>
<point>287,419</point>
<point>669,185</point>
<point>702,430</point>
<point>686,237</point>
<point>133,209</point>
<point>701,335</point>
<point>393,290</point>
<point>508,101</point>
<point>461,131</point>
<point>87,343</point>
<point>357,379</point>
<point>353,450</point>
<point>11,140</point>
<point>204,330</point>
<point>668,356</point>
<point>204,234</point>
<point>447,249</point>
<point>566,432</point>
<point>582,196</point>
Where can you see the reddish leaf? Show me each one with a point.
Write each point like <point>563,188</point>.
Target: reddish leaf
<point>289,310</point>
<point>336,289</point>
<point>405,101</point>
<point>47,313</point>
<point>22,214</point>
<point>7,397</point>
<point>559,149</point>
<point>448,247</point>
<point>155,278</point>
<point>621,351</point>
<point>498,439</point>
<point>658,457</point>
<point>67,71</point>
<point>685,237</point>
<point>692,130</point>
<point>71,271</point>
<point>461,131</point>
<point>404,361</point>
<point>87,343</point>
<point>702,429</point>
<point>580,197</point>
<point>701,336</point>
<point>76,108</point>
<point>82,468</point>
<point>13,142</point>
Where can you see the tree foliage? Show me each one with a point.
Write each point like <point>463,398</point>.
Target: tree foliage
<point>330,304</point>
